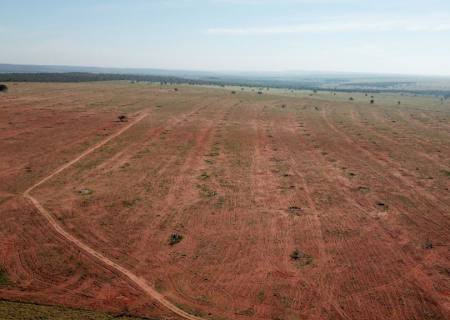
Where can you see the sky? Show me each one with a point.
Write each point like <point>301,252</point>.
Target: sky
<point>379,36</point>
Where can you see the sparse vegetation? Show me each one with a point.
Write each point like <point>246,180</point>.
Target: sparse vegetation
<point>301,259</point>
<point>363,189</point>
<point>271,190</point>
<point>29,311</point>
<point>247,312</point>
<point>261,296</point>
<point>3,277</point>
<point>130,203</point>
<point>428,245</point>
<point>294,210</point>
<point>85,192</point>
<point>175,238</point>
<point>205,191</point>
<point>382,206</point>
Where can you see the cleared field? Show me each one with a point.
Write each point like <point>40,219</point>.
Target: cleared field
<point>289,206</point>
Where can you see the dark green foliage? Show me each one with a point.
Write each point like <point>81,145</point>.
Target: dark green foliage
<point>28,311</point>
<point>300,258</point>
<point>3,278</point>
<point>428,245</point>
<point>88,77</point>
<point>175,238</point>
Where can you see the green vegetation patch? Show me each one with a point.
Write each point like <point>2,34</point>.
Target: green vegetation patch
<point>247,312</point>
<point>204,176</point>
<point>261,296</point>
<point>205,191</point>
<point>85,192</point>
<point>28,311</point>
<point>175,238</point>
<point>301,259</point>
<point>363,189</point>
<point>3,277</point>
<point>129,203</point>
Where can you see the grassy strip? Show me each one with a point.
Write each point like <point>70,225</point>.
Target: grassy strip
<point>28,311</point>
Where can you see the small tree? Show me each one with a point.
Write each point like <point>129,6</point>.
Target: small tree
<point>351,99</point>
<point>3,88</point>
<point>372,101</point>
<point>175,238</point>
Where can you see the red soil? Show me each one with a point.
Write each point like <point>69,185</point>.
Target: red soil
<point>360,190</point>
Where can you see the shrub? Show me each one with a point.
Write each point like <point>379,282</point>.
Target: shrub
<point>3,87</point>
<point>296,255</point>
<point>3,277</point>
<point>428,245</point>
<point>175,238</point>
<point>122,118</point>
<point>301,259</point>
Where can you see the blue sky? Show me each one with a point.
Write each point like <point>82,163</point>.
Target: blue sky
<point>384,36</point>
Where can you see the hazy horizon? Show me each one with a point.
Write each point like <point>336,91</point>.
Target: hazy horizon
<point>398,38</point>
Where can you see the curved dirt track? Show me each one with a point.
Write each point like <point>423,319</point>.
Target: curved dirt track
<point>141,283</point>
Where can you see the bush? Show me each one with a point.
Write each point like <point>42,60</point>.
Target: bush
<point>122,118</point>
<point>3,88</point>
<point>175,238</point>
<point>3,277</point>
<point>295,255</point>
<point>300,258</point>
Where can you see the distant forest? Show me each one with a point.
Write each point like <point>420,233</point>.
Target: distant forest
<point>87,77</point>
<point>260,84</point>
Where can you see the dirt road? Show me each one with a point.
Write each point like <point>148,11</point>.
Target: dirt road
<point>141,283</point>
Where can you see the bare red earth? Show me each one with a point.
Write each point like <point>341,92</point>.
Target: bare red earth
<point>361,192</point>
